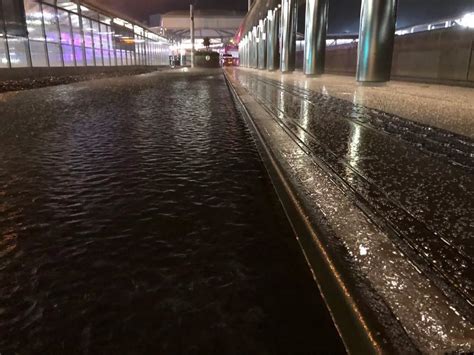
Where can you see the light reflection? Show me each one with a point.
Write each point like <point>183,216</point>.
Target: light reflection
<point>354,140</point>
<point>324,91</point>
<point>304,116</point>
<point>281,104</point>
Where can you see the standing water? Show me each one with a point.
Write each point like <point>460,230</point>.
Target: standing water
<point>136,217</point>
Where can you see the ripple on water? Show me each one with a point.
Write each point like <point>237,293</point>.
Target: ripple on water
<point>136,216</point>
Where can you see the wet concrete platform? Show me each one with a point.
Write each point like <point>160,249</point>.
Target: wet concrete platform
<point>447,107</point>
<point>137,217</point>
<point>396,195</point>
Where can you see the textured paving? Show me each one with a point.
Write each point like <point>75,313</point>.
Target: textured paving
<point>446,107</point>
<point>416,180</point>
<point>136,217</point>
<point>394,196</point>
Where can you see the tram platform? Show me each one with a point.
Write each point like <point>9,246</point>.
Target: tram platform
<point>378,182</point>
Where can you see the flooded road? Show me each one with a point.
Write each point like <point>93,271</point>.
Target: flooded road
<point>136,217</point>
<point>416,182</point>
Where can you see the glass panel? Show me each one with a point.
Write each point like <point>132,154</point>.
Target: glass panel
<point>138,48</point>
<point>18,51</point>
<point>90,57</point>
<point>68,55</point>
<point>123,41</point>
<point>106,55</point>
<point>14,15</point>
<point>118,54</point>
<point>54,53</point>
<point>68,5</point>
<point>38,54</point>
<point>34,20</point>
<point>105,43</point>
<point>76,30</point>
<point>86,24</point>
<point>98,57</point>
<point>66,38</point>
<point>124,58</point>
<point>105,19</point>
<point>79,56</point>
<point>77,39</point>
<point>3,52</point>
<point>97,45</point>
<point>85,11</point>
<point>111,46</point>
<point>2,28</point>
<point>51,24</point>
<point>64,27</point>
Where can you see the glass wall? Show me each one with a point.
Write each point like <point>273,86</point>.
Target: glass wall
<point>78,39</point>
<point>14,41</point>
<point>56,33</point>
<point>53,38</point>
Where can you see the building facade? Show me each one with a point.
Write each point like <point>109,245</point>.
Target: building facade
<point>63,33</point>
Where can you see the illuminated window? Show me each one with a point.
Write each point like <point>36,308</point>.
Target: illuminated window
<point>34,23</point>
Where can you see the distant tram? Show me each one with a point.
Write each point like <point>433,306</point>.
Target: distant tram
<point>227,60</point>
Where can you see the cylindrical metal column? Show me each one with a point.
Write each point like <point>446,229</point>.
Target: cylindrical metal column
<point>376,38</point>
<point>192,34</point>
<point>262,45</point>
<point>273,39</point>
<point>315,36</point>
<point>244,52</point>
<point>289,17</point>
<point>254,48</point>
<point>249,53</point>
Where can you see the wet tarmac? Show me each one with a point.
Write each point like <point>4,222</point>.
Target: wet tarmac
<point>416,182</point>
<point>136,217</point>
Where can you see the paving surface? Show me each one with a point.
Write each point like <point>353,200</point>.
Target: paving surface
<point>446,107</point>
<point>136,217</point>
<point>415,182</point>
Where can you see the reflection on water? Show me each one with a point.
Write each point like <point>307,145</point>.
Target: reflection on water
<point>304,117</point>
<point>354,141</point>
<point>136,217</point>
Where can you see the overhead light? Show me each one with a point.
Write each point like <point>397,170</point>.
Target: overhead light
<point>467,20</point>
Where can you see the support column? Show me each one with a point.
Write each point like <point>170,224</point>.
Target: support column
<point>254,64</point>
<point>192,35</point>
<point>376,39</point>
<point>262,45</point>
<point>273,39</point>
<point>249,52</point>
<point>289,17</point>
<point>243,55</point>
<point>315,36</point>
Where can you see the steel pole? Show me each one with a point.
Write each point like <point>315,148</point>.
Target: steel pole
<point>254,48</point>
<point>192,35</point>
<point>262,48</point>
<point>376,39</point>
<point>249,53</point>
<point>273,39</point>
<point>315,36</point>
<point>289,16</point>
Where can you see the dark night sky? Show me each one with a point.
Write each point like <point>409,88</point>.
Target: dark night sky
<point>344,14</point>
